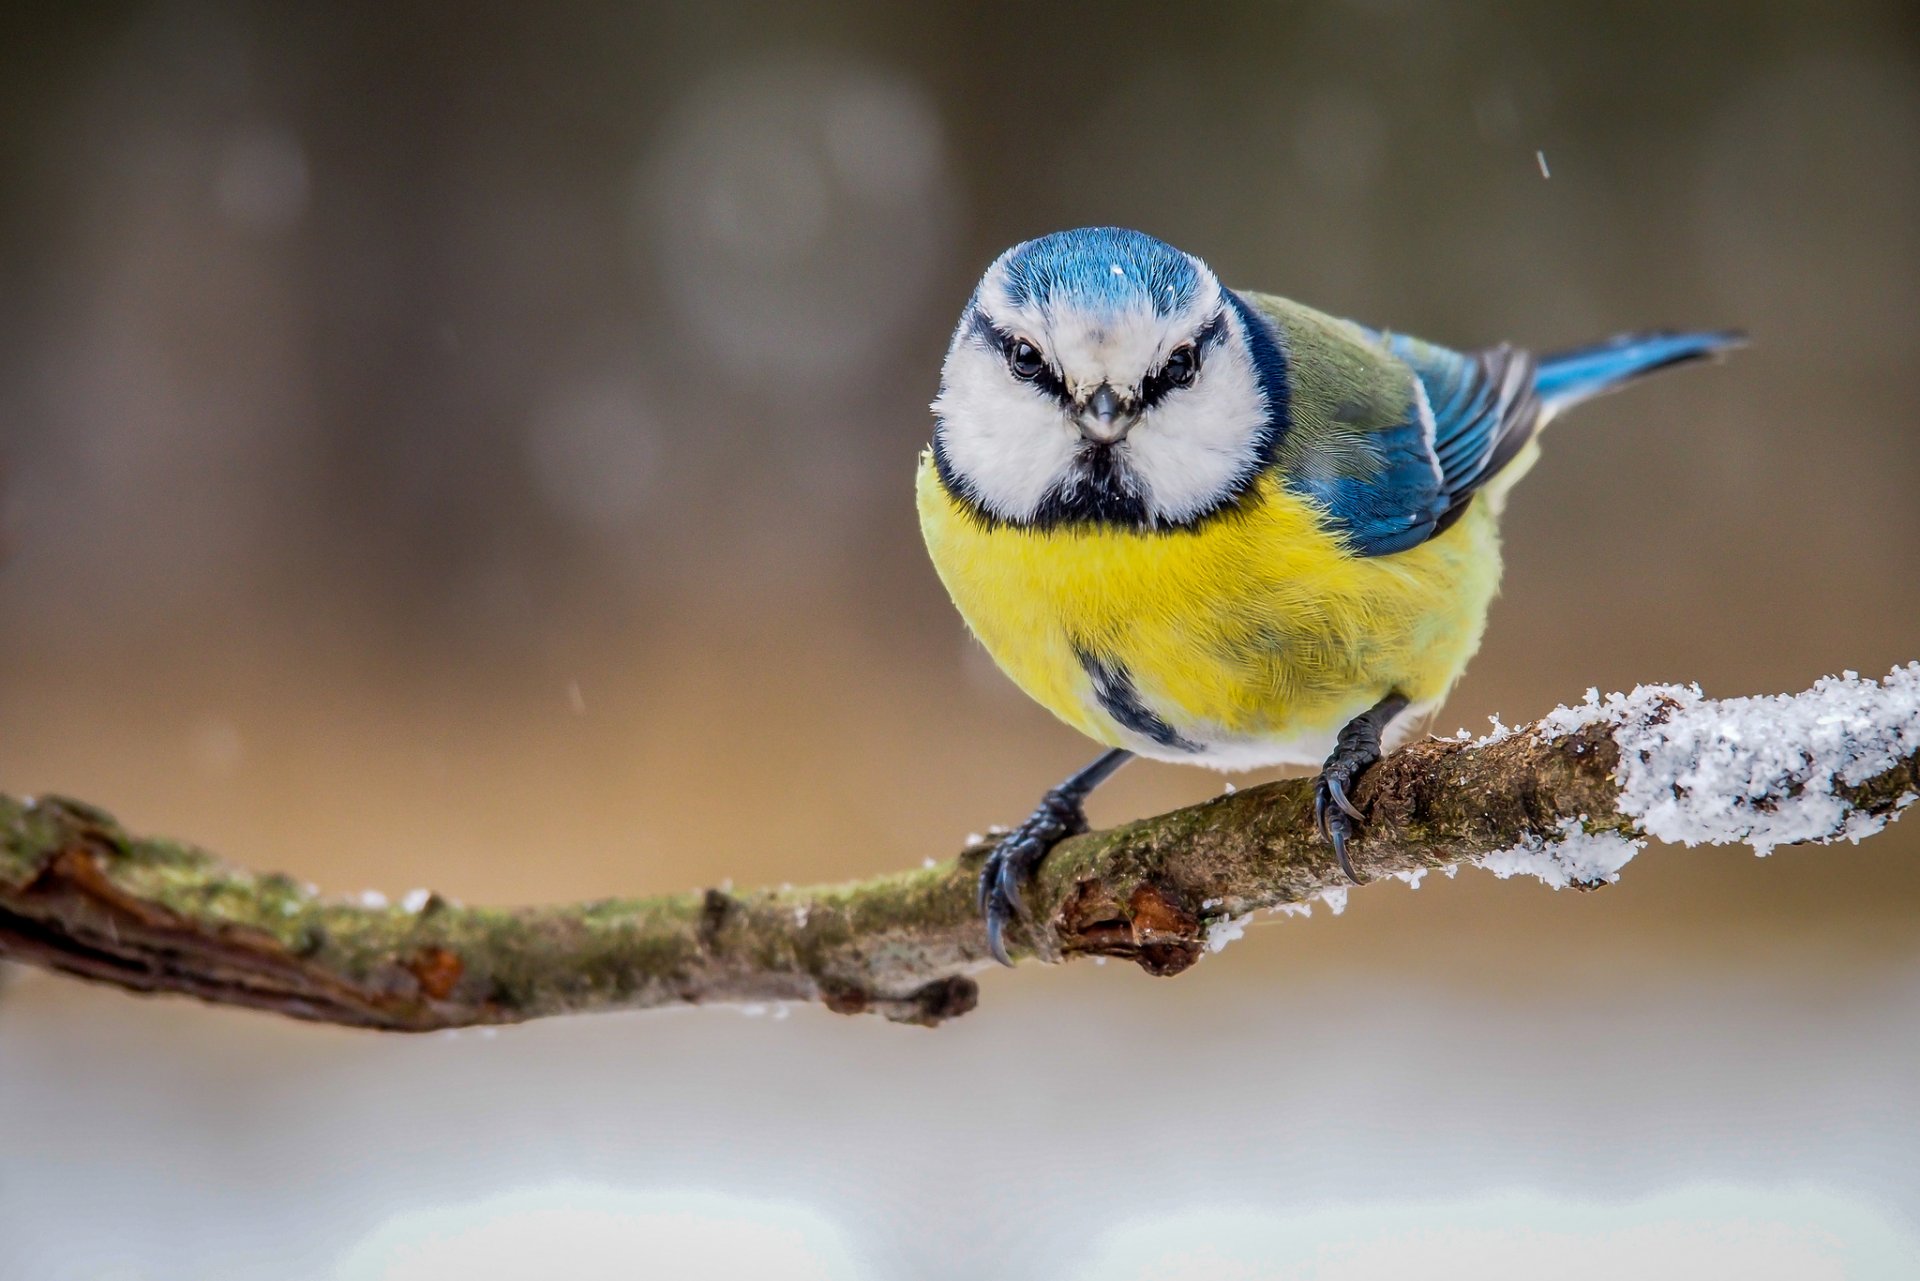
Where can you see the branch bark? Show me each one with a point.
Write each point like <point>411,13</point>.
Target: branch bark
<point>81,896</point>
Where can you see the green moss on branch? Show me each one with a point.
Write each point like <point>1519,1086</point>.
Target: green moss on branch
<point>80,895</point>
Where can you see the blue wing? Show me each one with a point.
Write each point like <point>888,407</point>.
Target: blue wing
<point>1393,461</point>
<point>1471,414</point>
<point>1484,406</point>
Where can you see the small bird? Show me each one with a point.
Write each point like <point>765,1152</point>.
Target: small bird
<point>1220,528</point>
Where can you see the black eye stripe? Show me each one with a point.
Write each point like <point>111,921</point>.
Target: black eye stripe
<point>1001,341</point>
<point>1213,333</point>
<point>1159,383</point>
<point>982,331</point>
<point>1152,390</point>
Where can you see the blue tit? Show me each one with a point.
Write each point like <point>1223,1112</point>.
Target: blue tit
<point>1217,527</point>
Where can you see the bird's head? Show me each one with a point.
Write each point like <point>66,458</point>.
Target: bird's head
<point>1100,376</point>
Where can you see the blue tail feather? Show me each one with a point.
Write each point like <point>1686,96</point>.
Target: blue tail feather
<point>1565,377</point>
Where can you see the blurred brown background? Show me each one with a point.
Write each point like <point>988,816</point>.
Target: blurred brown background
<point>470,446</point>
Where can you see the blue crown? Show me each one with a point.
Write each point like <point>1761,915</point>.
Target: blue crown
<point>1101,269</point>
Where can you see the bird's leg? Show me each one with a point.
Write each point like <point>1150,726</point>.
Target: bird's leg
<point>1358,748</point>
<point>1059,816</point>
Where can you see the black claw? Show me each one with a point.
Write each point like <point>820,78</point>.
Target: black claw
<point>1332,785</point>
<point>1003,875</point>
<point>1009,887</point>
<point>996,922</point>
<point>1357,751</point>
<point>1013,860</point>
<point>1339,837</point>
<point>1335,821</point>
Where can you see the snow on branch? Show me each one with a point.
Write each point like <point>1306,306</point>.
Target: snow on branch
<point>1569,800</point>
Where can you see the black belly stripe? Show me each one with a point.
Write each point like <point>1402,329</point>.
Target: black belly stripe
<point>1113,686</point>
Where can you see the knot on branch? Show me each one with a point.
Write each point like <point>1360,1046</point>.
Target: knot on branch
<point>1151,928</point>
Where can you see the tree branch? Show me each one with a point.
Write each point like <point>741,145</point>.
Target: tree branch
<point>1568,799</point>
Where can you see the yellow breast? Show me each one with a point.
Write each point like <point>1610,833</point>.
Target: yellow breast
<point>1255,636</point>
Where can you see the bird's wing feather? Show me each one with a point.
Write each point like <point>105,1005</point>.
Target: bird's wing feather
<point>1389,435</point>
<point>1484,405</point>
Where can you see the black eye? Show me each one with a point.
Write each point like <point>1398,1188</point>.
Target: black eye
<point>1182,365</point>
<point>1024,359</point>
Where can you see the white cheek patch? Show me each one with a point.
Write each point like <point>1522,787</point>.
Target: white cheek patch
<point>1200,444</point>
<point>1007,440</point>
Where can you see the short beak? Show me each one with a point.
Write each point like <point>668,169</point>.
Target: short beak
<point>1105,419</point>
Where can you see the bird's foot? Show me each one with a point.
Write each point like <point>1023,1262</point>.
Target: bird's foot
<point>1334,814</point>
<point>1007,868</point>
<point>1357,751</point>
